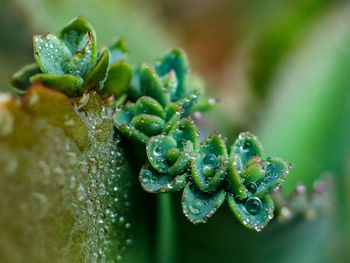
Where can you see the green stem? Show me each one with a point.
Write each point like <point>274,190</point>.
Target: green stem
<point>166,230</point>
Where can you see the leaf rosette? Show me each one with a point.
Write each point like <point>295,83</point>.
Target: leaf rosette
<point>70,62</point>
<point>208,169</point>
<point>252,177</point>
<point>146,118</point>
<point>169,157</point>
<point>168,81</point>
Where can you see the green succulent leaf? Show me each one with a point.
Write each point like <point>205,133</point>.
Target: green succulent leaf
<point>118,80</point>
<point>154,182</point>
<point>134,90</point>
<point>198,206</point>
<point>209,166</point>
<point>20,80</point>
<point>98,74</point>
<point>151,85</point>
<point>83,60</point>
<point>148,124</point>
<point>276,172</point>
<point>234,178</point>
<point>253,213</point>
<point>176,61</point>
<point>66,83</point>
<point>182,160</point>
<point>77,34</point>
<point>118,50</point>
<point>246,147</point>
<point>188,102</point>
<point>185,131</point>
<point>157,149</point>
<point>173,115</point>
<point>122,118</point>
<point>50,52</point>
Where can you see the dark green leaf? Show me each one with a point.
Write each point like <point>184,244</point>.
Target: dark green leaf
<point>68,84</point>
<point>175,60</point>
<point>184,131</point>
<point>20,80</point>
<point>188,102</point>
<point>246,147</point>
<point>118,80</point>
<point>74,36</point>
<point>98,74</point>
<point>183,159</point>
<point>173,115</point>
<point>83,60</point>
<point>198,206</point>
<point>154,182</point>
<point>157,149</point>
<point>234,178</point>
<point>148,124</point>
<point>151,85</point>
<point>254,213</point>
<point>148,105</point>
<point>276,172</point>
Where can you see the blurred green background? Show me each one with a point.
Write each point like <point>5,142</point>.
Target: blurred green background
<point>280,69</point>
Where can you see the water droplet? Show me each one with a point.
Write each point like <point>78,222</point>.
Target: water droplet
<point>158,150</point>
<point>252,187</point>
<point>196,207</point>
<point>253,205</point>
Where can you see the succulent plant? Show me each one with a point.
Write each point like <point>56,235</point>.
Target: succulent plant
<point>70,62</point>
<point>160,97</point>
<point>168,81</point>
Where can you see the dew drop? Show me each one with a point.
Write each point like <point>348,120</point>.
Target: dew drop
<point>253,205</point>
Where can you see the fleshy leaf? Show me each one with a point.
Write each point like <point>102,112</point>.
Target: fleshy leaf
<point>118,50</point>
<point>183,159</point>
<point>175,60</point>
<point>82,61</point>
<point>74,36</point>
<point>184,131</point>
<point>148,105</point>
<point>98,74</point>
<point>209,166</point>
<point>254,213</point>
<point>126,118</point>
<point>50,52</point>
<point>148,124</point>
<point>66,83</point>
<point>188,102</point>
<point>154,182</point>
<point>198,206</point>
<point>134,90</point>
<point>173,115</point>
<point>157,149</point>
<point>20,80</point>
<point>151,85</point>
<point>276,172</point>
<point>118,79</point>
<point>246,147</point>
<point>234,179</point>
<point>122,118</point>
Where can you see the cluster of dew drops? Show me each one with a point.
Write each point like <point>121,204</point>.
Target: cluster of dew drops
<point>105,193</point>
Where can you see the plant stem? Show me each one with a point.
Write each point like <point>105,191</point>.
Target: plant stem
<point>166,230</point>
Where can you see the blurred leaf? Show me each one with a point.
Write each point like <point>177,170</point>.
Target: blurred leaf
<point>63,182</point>
<point>307,118</point>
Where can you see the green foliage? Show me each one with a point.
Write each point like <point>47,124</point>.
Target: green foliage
<point>208,173</point>
<point>70,63</point>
